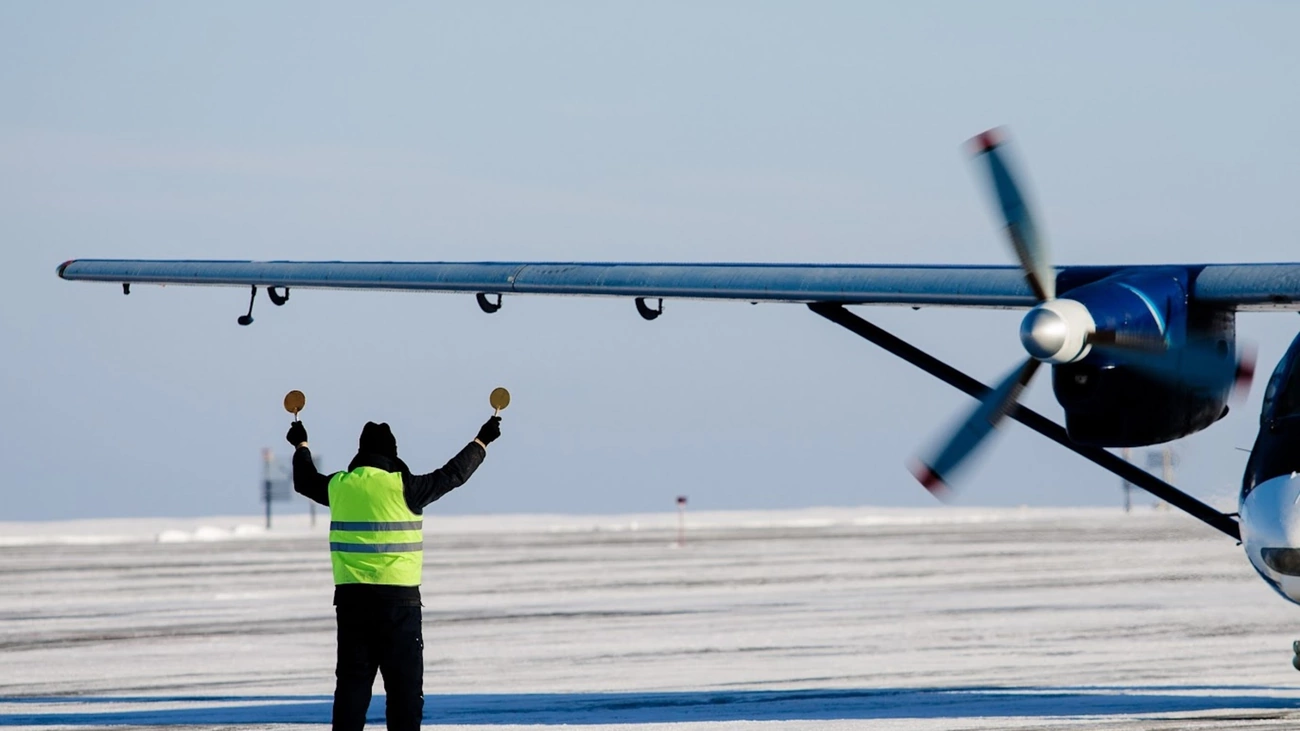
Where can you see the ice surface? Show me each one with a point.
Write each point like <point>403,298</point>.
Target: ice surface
<point>833,618</point>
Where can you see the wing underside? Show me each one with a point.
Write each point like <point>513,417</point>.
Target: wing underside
<point>1232,286</point>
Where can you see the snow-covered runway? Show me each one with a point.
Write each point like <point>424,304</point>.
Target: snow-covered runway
<point>832,618</point>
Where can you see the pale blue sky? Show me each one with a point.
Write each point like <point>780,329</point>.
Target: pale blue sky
<point>1151,132</point>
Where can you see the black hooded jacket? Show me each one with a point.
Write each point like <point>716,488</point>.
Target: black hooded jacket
<point>419,491</point>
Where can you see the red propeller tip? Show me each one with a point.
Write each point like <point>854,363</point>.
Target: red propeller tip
<point>985,141</point>
<point>1245,373</point>
<point>929,479</point>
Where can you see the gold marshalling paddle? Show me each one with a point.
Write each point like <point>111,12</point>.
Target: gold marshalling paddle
<point>499,399</point>
<point>294,401</point>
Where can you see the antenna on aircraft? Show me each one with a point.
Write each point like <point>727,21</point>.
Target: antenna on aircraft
<point>248,318</point>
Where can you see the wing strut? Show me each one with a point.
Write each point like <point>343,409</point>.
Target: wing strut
<point>1032,419</point>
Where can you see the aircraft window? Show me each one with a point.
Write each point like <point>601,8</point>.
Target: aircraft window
<point>1287,400</point>
<point>1282,560</point>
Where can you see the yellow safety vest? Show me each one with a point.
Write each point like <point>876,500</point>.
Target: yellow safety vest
<point>374,536</point>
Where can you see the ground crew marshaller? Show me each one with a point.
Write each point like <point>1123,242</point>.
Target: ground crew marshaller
<point>376,549</point>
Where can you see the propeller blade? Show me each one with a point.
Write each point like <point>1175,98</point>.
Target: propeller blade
<point>1201,363</point>
<point>1246,358</point>
<point>1030,250</point>
<point>934,473</point>
<point>1127,341</point>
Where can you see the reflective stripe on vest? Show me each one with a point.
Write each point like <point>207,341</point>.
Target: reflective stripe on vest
<point>376,547</point>
<point>374,536</point>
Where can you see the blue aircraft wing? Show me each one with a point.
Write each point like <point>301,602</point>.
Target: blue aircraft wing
<point>971,286</point>
<point>1232,286</point>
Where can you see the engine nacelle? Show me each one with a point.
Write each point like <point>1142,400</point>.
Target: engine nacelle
<point>1150,386</point>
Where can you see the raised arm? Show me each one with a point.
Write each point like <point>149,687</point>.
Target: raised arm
<point>307,480</point>
<point>424,489</point>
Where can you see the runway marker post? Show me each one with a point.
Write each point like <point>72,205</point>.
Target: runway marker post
<point>681,520</point>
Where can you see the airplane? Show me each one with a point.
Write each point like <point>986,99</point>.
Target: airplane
<point>1140,354</point>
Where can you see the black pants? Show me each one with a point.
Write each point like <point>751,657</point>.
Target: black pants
<point>386,637</point>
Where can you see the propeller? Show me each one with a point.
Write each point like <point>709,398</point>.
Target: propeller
<point>1046,332</point>
<point>1203,363</point>
<point>932,473</point>
<point>1020,228</point>
<point>1055,330</point>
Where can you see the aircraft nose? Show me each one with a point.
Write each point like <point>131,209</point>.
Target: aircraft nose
<point>1270,533</point>
<point>1270,514</point>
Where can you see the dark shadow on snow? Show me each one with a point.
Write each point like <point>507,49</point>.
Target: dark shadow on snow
<point>722,705</point>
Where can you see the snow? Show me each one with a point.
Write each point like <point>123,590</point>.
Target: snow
<point>827,618</point>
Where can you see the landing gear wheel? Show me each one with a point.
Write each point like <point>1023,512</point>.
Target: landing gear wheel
<point>1295,648</point>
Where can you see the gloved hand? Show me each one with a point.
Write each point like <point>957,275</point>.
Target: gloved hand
<point>490,430</point>
<point>297,434</point>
